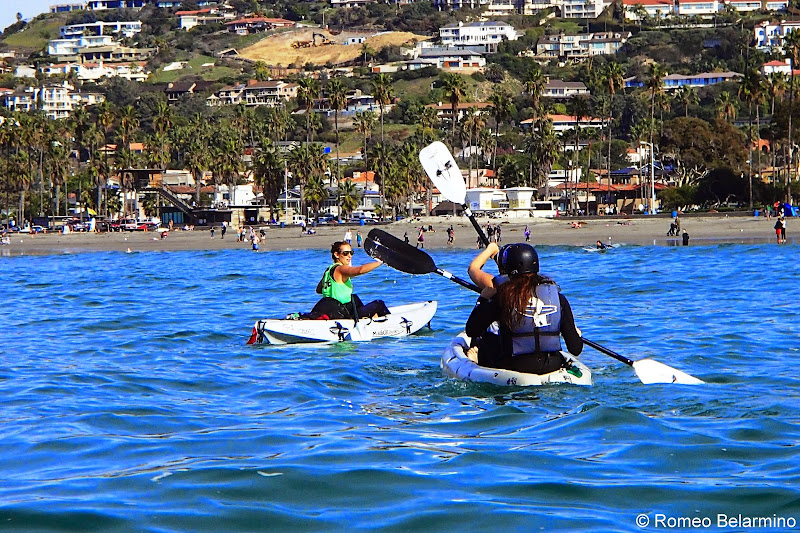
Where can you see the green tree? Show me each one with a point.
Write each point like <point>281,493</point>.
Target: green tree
<point>502,106</point>
<point>579,106</point>
<point>337,98</point>
<point>364,123</point>
<point>348,197</point>
<point>725,106</point>
<point>687,96</point>
<point>455,87</point>
<point>791,50</point>
<point>308,93</point>
<point>655,81</point>
<point>382,92</point>
<point>613,81</point>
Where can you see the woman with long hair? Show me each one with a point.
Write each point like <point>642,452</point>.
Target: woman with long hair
<point>531,313</point>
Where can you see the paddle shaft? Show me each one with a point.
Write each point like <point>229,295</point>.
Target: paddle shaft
<point>478,229</point>
<point>606,351</point>
<point>451,277</point>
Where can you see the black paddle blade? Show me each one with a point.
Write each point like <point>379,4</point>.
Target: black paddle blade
<point>397,254</point>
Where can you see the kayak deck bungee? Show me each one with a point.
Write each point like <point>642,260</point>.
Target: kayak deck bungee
<point>402,320</point>
<point>456,364</point>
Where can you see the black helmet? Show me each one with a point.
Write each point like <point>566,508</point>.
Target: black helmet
<point>517,259</point>
<point>498,257</point>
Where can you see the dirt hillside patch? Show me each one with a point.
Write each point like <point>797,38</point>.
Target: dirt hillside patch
<point>278,50</point>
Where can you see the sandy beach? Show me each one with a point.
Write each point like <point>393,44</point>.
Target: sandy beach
<point>637,230</point>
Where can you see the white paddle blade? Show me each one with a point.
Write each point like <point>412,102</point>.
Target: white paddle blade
<point>650,371</point>
<point>361,332</point>
<point>443,171</point>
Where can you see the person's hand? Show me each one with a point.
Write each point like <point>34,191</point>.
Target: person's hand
<point>492,249</point>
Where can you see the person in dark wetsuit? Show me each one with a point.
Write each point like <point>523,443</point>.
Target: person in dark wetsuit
<point>336,287</point>
<point>601,246</point>
<point>531,313</point>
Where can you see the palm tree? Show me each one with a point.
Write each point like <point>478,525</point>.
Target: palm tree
<point>548,150</point>
<point>686,95</point>
<point>304,164</point>
<point>502,107</point>
<point>791,50</point>
<point>307,93</point>
<point>455,87</point>
<point>364,123</point>
<point>382,92</point>
<point>472,125</point>
<point>725,106</point>
<point>655,86</point>
<point>268,173</point>
<point>162,124</point>
<point>128,123</point>
<point>534,84</point>
<point>580,108</point>
<point>776,87</point>
<point>751,90</point>
<point>427,121</point>
<point>316,193</point>
<point>337,99</point>
<point>349,197</point>
<point>196,157</point>
<point>261,71</point>
<point>613,78</point>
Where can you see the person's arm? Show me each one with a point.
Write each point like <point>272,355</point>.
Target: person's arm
<point>475,270</point>
<point>483,314</point>
<point>572,337</point>
<point>346,272</point>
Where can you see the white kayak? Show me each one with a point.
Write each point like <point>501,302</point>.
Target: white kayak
<point>456,364</point>
<point>402,320</point>
<point>596,249</point>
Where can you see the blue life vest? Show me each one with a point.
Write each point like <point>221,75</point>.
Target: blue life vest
<point>540,328</point>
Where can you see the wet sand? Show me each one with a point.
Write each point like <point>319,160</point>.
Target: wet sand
<point>637,230</point>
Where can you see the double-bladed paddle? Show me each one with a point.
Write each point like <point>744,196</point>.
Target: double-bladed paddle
<point>406,258</point>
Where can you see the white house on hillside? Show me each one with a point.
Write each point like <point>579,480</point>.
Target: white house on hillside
<point>769,35</point>
<point>581,45</point>
<point>582,9</point>
<point>485,36</point>
<point>56,101</point>
<point>655,9</point>
<point>698,8</point>
<point>128,29</point>
<point>564,89</point>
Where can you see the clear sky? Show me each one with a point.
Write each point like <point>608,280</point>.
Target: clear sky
<point>28,8</point>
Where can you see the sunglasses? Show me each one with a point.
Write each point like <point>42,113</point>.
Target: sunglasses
<point>347,252</point>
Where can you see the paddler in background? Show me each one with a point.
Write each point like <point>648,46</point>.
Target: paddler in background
<point>531,314</point>
<point>336,287</point>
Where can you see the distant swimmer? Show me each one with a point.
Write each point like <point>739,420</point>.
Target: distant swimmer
<point>601,246</point>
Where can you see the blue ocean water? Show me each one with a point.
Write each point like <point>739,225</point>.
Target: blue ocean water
<point>130,402</point>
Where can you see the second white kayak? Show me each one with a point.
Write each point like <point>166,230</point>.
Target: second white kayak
<point>401,321</point>
<point>456,364</point>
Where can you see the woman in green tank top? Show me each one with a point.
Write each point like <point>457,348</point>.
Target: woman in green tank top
<point>336,285</point>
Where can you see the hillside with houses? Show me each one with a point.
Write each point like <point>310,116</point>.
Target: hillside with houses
<point>200,112</point>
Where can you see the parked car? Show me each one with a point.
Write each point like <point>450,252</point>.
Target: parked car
<point>146,226</point>
<point>32,229</point>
